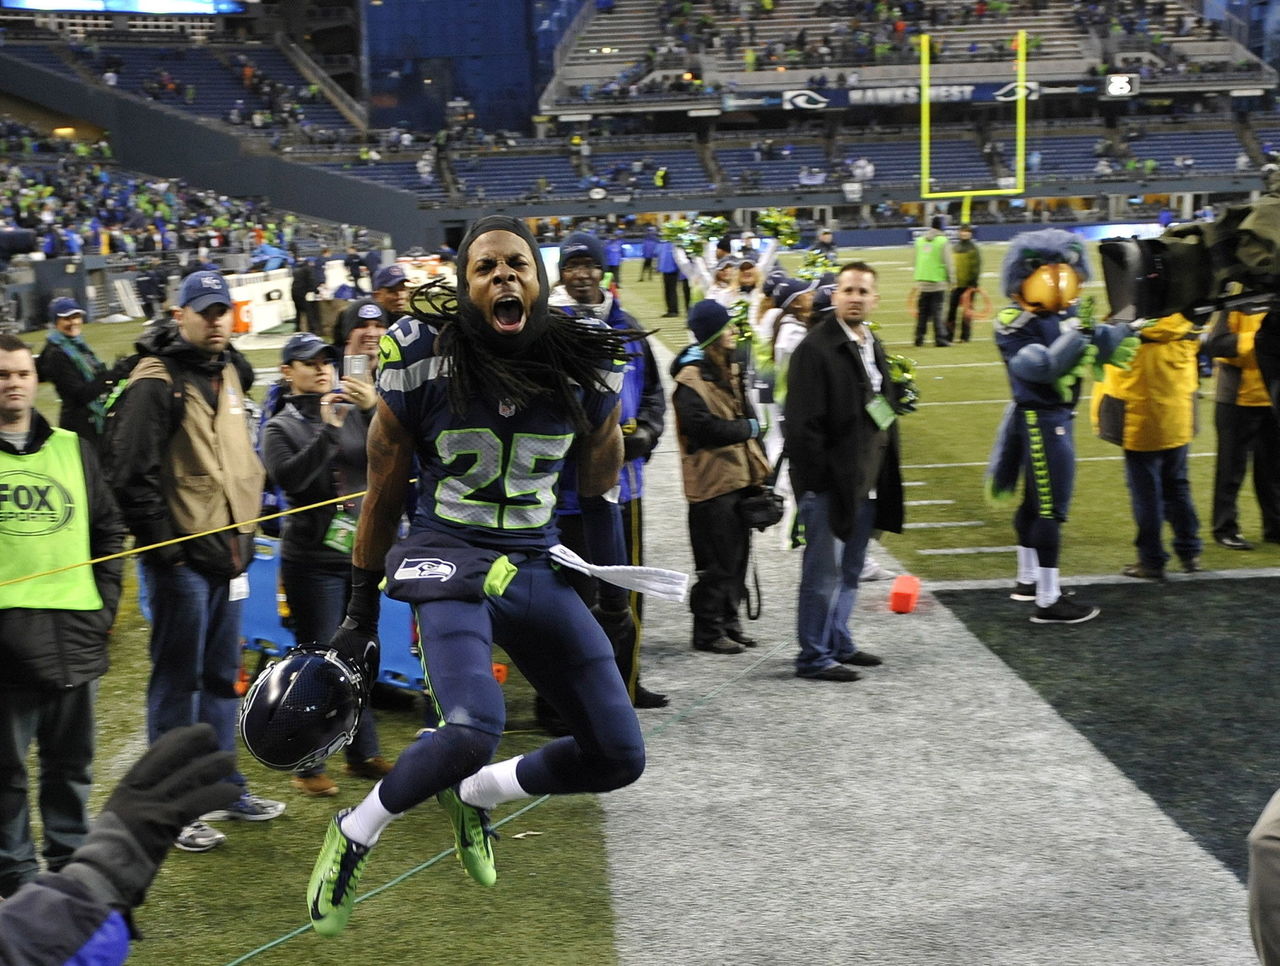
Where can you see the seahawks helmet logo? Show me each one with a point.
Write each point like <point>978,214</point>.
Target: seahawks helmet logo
<point>804,101</point>
<point>425,568</point>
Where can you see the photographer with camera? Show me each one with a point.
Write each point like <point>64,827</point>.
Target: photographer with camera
<point>722,463</point>
<point>314,449</point>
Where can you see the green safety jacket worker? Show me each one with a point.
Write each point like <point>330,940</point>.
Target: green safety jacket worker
<point>55,509</point>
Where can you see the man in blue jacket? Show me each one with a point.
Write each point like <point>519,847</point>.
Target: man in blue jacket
<point>603,531</point>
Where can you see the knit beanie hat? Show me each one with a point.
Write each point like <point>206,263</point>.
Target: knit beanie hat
<point>707,319</point>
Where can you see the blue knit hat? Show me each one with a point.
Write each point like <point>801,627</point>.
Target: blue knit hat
<point>707,319</point>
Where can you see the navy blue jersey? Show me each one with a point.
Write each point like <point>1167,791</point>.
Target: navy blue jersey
<point>1036,353</point>
<point>490,477</point>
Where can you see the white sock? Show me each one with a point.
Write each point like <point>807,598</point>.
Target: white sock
<point>1047,589</point>
<point>364,823</point>
<point>1028,564</point>
<point>492,785</point>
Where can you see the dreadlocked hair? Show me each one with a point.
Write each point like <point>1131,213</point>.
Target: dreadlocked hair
<point>568,353</point>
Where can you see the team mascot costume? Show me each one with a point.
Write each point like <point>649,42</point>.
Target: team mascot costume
<point>1048,340</point>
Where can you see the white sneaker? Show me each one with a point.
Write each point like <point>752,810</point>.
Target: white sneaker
<point>198,837</point>
<point>871,570</point>
<point>246,808</point>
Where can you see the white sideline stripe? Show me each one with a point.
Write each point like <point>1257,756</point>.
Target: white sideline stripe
<point>954,551</point>
<point>959,365</point>
<point>1084,580</point>
<point>913,482</point>
<point>1079,459</point>
<point>929,502</point>
<point>944,524</point>
<point>980,402</point>
<point>968,402</point>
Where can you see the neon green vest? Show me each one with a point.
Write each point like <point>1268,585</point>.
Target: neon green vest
<point>44,523</point>
<point>930,266</point>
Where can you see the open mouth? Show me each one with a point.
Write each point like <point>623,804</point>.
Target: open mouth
<point>508,314</point>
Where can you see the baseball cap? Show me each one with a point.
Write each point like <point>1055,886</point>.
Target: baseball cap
<point>579,243</point>
<point>306,345</point>
<point>203,289</point>
<point>389,276</point>
<point>60,308</point>
<point>792,288</point>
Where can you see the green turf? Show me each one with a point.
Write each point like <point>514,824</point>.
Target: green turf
<point>1177,684</point>
<point>552,901</point>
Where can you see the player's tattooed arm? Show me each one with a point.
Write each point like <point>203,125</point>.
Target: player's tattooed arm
<point>390,450</point>
<point>600,457</point>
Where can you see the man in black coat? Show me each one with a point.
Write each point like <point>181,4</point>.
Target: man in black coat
<point>842,445</point>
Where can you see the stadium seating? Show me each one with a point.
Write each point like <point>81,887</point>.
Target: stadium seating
<point>508,177</point>
<point>684,168</point>
<point>739,165</point>
<point>397,174</point>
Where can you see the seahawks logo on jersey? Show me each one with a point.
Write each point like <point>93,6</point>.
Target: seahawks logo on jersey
<point>425,568</point>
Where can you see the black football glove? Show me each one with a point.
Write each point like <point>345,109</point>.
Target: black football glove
<point>638,444</point>
<point>356,639</point>
<point>618,625</point>
<point>181,777</point>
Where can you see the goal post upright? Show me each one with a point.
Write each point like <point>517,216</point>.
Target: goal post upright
<point>1020,129</point>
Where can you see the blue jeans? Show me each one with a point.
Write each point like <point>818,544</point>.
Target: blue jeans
<point>828,582</point>
<point>195,653</point>
<point>61,722</point>
<point>317,598</point>
<point>1159,490</point>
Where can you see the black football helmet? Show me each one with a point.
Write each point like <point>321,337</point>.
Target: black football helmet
<point>301,710</point>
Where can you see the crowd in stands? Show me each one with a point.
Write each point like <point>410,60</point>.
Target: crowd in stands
<point>80,204</point>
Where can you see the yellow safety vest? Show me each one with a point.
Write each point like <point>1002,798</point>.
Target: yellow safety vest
<point>44,524</point>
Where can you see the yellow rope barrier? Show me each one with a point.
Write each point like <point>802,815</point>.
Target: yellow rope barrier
<point>190,536</point>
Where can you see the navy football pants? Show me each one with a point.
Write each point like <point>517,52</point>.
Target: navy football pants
<point>559,647</point>
<point>1049,473</point>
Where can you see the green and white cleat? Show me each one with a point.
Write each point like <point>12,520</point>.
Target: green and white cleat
<point>471,836</point>
<point>331,894</point>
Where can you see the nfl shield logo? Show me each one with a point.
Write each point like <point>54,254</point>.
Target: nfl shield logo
<point>506,408</point>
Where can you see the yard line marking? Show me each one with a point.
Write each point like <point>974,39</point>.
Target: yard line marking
<point>944,524</point>
<point>951,551</point>
<point>928,502</point>
<point>913,482</point>
<point>1079,459</point>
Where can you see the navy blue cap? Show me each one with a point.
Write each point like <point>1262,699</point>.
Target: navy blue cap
<point>707,319</point>
<point>580,243</point>
<point>389,276</point>
<point>203,289</point>
<point>791,289</point>
<point>62,307</point>
<point>306,345</point>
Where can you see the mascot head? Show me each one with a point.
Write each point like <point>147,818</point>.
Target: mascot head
<point>1043,270</point>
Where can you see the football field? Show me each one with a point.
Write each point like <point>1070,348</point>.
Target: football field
<point>997,792</point>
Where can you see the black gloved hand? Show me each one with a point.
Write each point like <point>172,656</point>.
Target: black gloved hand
<point>121,368</point>
<point>638,444</point>
<point>618,625</point>
<point>359,648</point>
<point>366,598</point>
<point>176,781</point>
